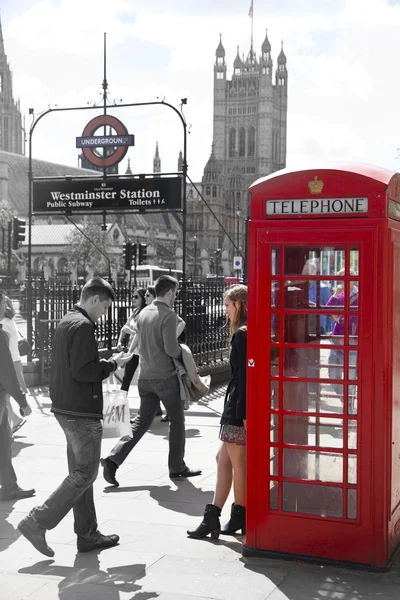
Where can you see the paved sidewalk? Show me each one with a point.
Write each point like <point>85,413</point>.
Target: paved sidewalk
<point>151,513</point>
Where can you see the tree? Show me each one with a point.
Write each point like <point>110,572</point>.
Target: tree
<point>83,253</point>
<point>6,214</point>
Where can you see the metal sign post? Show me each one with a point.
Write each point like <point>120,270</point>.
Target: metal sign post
<point>104,161</point>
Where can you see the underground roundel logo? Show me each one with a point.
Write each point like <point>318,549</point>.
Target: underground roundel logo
<point>112,155</point>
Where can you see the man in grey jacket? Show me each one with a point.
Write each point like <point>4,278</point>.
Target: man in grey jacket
<point>158,381</point>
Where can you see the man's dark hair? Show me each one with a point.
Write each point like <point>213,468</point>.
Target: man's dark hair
<point>164,284</point>
<point>151,290</point>
<point>97,287</point>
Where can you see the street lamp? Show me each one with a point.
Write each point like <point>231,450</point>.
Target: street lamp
<point>238,211</point>
<point>217,255</point>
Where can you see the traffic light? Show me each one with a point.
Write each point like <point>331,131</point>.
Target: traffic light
<point>134,252</point>
<point>18,232</point>
<point>142,254</point>
<point>127,255</point>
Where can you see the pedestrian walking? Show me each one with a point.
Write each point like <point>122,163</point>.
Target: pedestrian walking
<point>9,385</point>
<point>129,331</point>
<point>158,381</point>
<point>231,456</point>
<point>7,314</point>
<point>150,296</point>
<point>77,402</point>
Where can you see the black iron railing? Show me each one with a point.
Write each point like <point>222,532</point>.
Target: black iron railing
<point>206,332</point>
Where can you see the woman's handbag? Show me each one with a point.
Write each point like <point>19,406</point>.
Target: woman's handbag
<point>116,416</point>
<point>24,346</point>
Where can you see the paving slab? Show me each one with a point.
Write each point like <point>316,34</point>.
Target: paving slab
<point>151,513</point>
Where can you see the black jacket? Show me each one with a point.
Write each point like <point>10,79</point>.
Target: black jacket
<point>235,398</point>
<point>77,372</point>
<point>8,378</point>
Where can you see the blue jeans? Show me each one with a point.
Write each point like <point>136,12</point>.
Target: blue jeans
<point>76,491</point>
<point>8,479</point>
<point>151,392</point>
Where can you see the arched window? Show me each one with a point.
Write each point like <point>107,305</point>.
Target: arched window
<point>62,265</point>
<point>220,60</point>
<point>232,142</point>
<point>251,142</point>
<point>208,190</point>
<point>242,142</point>
<point>214,191</point>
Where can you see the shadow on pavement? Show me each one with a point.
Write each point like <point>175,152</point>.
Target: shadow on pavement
<point>8,533</point>
<point>41,398</point>
<point>232,543</point>
<point>186,499</point>
<point>83,579</point>
<point>18,445</point>
<point>304,581</point>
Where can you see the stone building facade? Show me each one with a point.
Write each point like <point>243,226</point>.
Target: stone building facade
<point>249,141</point>
<point>11,131</point>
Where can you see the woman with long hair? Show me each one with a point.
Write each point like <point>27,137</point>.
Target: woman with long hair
<point>231,456</point>
<point>150,295</point>
<point>129,329</point>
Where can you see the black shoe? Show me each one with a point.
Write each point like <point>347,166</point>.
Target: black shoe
<point>100,541</point>
<point>35,535</point>
<point>237,520</point>
<point>186,473</point>
<point>16,493</point>
<point>209,524</point>
<point>164,419</point>
<point>109,470</point>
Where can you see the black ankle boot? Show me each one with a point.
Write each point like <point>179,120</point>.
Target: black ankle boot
<point>237,520</point>
<point>209,524</point>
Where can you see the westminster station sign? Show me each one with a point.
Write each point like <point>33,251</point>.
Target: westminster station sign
<point>92,194</point>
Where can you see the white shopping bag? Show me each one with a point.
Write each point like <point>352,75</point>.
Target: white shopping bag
<point>116,417</point>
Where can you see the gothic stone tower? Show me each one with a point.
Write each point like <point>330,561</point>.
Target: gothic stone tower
<point>249,139</point>
<point>10,115</point>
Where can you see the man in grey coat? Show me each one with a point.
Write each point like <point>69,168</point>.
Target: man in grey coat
<point>158,381</point>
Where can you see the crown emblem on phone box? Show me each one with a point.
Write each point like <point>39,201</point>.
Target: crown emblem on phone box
<point>316,186</point>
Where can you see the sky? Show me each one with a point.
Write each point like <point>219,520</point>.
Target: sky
<point>342,89</point>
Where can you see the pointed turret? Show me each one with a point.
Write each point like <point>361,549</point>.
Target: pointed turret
<point>180,161</point>
<point>2,53</point>
<point>266,60</point>
<point>128,168</point>
<point>237,64</point>
<point>220,66</point>
<point>220,51</point>
<point>157,161</point>
<point>281,72</point>
<point>282,56</point>
<point>266,46</point>
<point>11,139</point>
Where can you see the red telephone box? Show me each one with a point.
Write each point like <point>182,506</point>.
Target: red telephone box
<point>324,365</point>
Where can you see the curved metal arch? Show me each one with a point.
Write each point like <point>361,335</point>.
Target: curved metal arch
<point>30,190</point>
